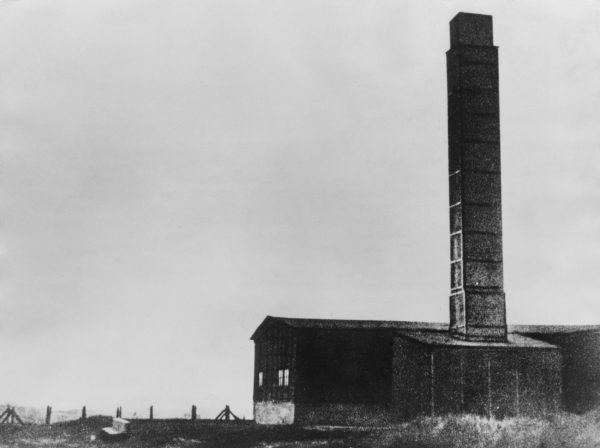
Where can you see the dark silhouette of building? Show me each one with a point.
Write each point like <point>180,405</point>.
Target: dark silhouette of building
<point>343,371</point>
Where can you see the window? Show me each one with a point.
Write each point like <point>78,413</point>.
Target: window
<point>283,377</point>
<point>456,274</point>
<point>455,247</point>
<point>260,379</point>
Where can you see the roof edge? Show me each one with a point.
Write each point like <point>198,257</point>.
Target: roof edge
<point>363,324</point>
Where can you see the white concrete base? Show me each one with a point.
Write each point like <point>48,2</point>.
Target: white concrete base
<point>274,412</point>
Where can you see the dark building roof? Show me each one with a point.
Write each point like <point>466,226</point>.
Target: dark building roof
<point>552,329</point>
<point>341,324</point>
<point>513,340</point>
<point>429,332</point>
<point>360,324</point>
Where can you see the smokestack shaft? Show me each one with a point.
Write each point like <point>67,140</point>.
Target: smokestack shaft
<point>477,303</point>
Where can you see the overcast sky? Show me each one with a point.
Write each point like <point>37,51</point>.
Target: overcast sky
<point>173,171</point>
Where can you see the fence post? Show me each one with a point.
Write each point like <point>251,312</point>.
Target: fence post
<point>151,412</point>
<point>48,414</point>
<point>83,413</point>
<point>194,412</point>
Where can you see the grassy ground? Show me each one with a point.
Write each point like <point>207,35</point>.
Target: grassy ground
<point>566,431</point>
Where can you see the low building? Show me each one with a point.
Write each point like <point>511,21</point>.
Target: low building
<point>343,371</point>
<point>360,372</point>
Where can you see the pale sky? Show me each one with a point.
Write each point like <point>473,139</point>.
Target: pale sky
<point>171,172</point>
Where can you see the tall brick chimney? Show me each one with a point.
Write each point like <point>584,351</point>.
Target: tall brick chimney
<point>477,306</point>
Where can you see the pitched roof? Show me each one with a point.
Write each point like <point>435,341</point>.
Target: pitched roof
<point>345,324</point>
<point>361,324</point>
<point>404,326</point>
<point>551,329</point>
<point>514,340</point>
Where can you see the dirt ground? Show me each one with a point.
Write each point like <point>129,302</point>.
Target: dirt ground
<point>560,431</point>
<point>177,433</point>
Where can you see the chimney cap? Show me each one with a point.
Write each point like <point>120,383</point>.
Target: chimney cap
<point>471,29</point>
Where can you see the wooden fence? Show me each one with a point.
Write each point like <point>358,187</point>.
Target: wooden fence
<point>10,416</point>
